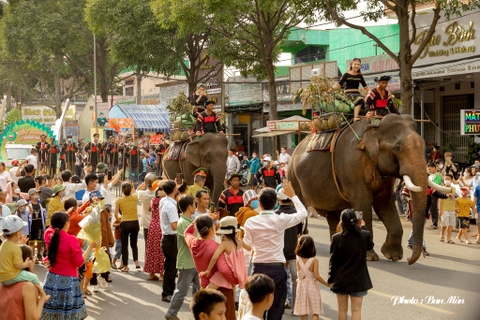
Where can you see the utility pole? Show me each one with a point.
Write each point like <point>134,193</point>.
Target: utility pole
<point>94,81</point>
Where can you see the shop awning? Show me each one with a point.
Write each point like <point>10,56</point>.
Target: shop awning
<point>153,117</point>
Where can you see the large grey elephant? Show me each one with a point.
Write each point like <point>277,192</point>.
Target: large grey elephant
<point>210,152</point>
<point>365,169</point>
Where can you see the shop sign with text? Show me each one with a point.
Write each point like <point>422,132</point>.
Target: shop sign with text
<point>470,122</point>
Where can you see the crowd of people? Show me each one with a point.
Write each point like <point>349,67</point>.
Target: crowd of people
<point>250,239</point>
<point>452,212</point>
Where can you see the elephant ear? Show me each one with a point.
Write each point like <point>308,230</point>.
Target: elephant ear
<point>370,144</point>
<point>192,153</point>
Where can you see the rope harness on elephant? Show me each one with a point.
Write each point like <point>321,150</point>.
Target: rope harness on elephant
<point>332,152</point>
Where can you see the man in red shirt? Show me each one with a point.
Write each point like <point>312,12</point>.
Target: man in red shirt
<point>231,199</point>
<point>378,101</point>
<point>268,174</point>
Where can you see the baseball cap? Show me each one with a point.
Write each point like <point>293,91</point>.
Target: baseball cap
<point>96,194</point>
<point>12,224</point>
<point>248,196</point>
<point>267,159</point>
<point>32,191</point>
<point>21,202</point>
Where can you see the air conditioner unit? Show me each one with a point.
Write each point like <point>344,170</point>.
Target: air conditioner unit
<point>315,72</point>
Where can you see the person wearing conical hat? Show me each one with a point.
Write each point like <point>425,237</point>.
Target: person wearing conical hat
<point>55,204</point>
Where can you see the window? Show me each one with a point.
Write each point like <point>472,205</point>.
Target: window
<point>129,91</point>
<point>310,53</point>
<point>129,83</point>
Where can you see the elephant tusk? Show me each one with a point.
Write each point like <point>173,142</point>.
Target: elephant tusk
<point>440,188</point>
<point>410,186</point>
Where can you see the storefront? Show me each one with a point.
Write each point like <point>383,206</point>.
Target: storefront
<point>446,76</point>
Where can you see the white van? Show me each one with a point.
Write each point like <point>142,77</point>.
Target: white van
<point>16,151</point>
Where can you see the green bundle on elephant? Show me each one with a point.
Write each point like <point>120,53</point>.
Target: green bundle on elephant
<point>339,104</point>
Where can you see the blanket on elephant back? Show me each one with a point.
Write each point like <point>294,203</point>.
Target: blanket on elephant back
<point>176,151</point>
<point>320,141</point>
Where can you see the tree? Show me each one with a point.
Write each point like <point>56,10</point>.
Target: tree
<point>48,41</point>
<point>11,117</point>
<point>134,35</point>
<point>405,10</point>
<point>248,34</point>
<point>191,37</point>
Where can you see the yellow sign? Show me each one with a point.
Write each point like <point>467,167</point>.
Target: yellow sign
<point>46,115</point>
<point>456,35</point>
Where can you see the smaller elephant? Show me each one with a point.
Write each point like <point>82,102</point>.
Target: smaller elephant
<point>210,152</point>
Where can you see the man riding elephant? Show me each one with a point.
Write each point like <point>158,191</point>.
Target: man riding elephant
<point>208,121</point>
<point>378,101</point>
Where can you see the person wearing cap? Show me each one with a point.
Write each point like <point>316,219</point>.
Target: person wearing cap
<point>208,121</point>
<point>268,174</point>
<point>199,177</point>
<point>348,271</point>
<point>265,233</point>
<point>101,168</point>
<point>231,198</point>
<point>465,204</point>
<point>13,171</point>
<point>145,193</point>
<point>233,165</point>
<point>378,101</point>
<point>11,261</point>
<point>24,215</point>
<point>290,241</point>
<point>55,204</point>
<point>38,217</point>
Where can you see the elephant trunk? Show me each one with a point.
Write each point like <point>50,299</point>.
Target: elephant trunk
<point>419,206</point>
<point>218,175</point>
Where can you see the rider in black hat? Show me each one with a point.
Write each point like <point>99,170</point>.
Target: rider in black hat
<point>378,101</point>
<point>208,121</point>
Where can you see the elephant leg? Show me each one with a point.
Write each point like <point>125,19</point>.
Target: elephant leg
<point>363,202</point>
<point>333,218</point>
<point>386,211</point>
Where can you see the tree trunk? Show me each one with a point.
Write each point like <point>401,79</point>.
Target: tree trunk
<point>272,91</point>
<point>19,95</point>
<point>139,88</point>
<point>58,95</point>
<point>405,57</point>
<point>9,96</point>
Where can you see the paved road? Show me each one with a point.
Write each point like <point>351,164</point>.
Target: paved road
<point>446,285</point>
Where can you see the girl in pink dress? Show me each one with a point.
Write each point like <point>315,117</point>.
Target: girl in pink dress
<point>154,257</point>
<point>308,299</point>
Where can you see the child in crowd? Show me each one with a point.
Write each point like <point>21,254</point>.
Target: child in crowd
<point>282,170</point>
<point>447,209</point>
<point>260,289</point>
<point>11,263</point>
<point>464,205</point>
<point>118,240</point>
<point>233,249</point>
<point>308,300</point>
<point>208,304</point>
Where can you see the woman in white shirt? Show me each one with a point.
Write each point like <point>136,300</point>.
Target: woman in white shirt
<point>4,177</point>
<point>105,186</point>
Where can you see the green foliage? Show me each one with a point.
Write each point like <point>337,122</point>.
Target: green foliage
<point>11,117</point>
<point>473,150</point>
<point>134,34</point>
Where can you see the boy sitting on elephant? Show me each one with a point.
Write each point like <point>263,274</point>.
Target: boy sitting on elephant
<point>208,121</point>
<point>378,101</point>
